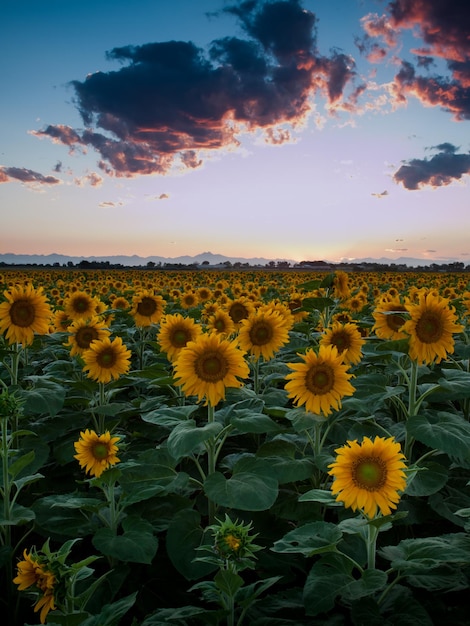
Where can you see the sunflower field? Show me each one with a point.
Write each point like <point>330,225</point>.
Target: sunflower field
<point>234,447</point>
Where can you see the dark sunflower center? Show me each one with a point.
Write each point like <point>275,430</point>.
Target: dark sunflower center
<point>219,325</point>
<point>100,451</point>
<point>369,473</point>
<point>180,338</point>
<point>341,340</point>
<point>147,306</point>
<point>260,333</point>
<point>84,336</point>
<point>395,321</point>
<point>320,379</point>
<point>22,313</point>
<point>106,358</point>
<point>81,304</point>
<point>211,367</point>
<point>429,327</point>
<point>238,312</point>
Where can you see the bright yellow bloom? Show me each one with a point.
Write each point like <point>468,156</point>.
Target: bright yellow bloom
<point>147,308</point>
<point>96,453</point>
<point>207,366</point>
<point>263,333</point>
<point>175,332</point>
<point>347,339</point>
<point>106,359</point>
<point>221,323</point>
<point>320,382</point>
<point>83,332</point>
<point>432,324</point>
<point>80,305</point>
<point>369,476</point>
<point>31,573</point>
<point>25,312</point>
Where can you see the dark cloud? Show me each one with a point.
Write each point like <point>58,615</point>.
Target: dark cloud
<point>8,174</point>
<point>444,27</point>
<point>170,101</point>
<point>440,170</point>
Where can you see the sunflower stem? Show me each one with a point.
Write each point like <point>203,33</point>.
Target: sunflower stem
<point>102,402</point>
<point>371,543</point>
<point>211,461</point>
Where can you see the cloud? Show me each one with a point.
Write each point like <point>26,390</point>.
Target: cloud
<point>443,26</point>
<point>9,174</point>
<point>383,194</point>
<point>171,102</point>
<point>109,204</point>
<point>93,179</point>
<point>440,170</point>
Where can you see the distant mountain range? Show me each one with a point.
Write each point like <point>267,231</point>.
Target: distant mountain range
<point>204,258</point>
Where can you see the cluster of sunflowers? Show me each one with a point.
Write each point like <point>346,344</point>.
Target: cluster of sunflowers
<point>216,329</point>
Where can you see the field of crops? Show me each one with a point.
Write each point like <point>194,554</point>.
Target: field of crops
<point>243,448</point>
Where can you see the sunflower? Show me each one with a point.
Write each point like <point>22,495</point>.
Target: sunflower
<point>347,339</point>
<point>147,308</point>
<point>80,305</point>
<point>96,453</point>
<point>25,312</point>
<point>189,300</point>
<point>389,320</point>
<point>83,332</point>
<point>121,303</point>
<point>432,323</point>
<point>239,309</point>
<point>60,321</point>
<point>175,332</point>
<point>221,323</point>
<point>263,333</point>
<point>320,382</point>
<point>341,285</point>
<point>369,476</point>
<point>207,366</point>
<point>106,359</point>
<point>32,573</point>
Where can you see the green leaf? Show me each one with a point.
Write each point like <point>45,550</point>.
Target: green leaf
<point>247,422</point>
<point>46,396</point>
<point>111,614</point>
<point>169,416</point>
<point>136,545</point>
<point>20,463</point>
<point>310,539</point>
<point>184,536</point>
<point>19,515</point>
<point>319,495</point>
<point>371,581</point>
<point>228,582</point>
<point>429,479</point>
<point>252,486</point>
<point>327,579</point>
<point>444,431</point>
<point>454,385</point>
<point>316,304</point>
<point>419,555</point>
<point>186,438</point>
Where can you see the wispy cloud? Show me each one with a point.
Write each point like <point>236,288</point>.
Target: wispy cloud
<point>441,169</point>
<point>29,177</point>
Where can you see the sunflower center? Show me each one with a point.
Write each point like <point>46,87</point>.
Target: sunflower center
<point>84,336</point>
<point>147,306</point>
<point>100,451</point>
<point>219,325</point>
<point>369,473</point>
<point>320,379</point>
<point>238,312</point>
<point>395,322</point>
<point>106,358</point>
<point>429,328</point>
<point>80,304</point>
<point>260,334</point>
<point>341,340</point>
<point>211,367</point>
<point>179,338</point>
<point>22,313</point>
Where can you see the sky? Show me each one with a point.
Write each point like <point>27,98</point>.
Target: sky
<point>283,129</point>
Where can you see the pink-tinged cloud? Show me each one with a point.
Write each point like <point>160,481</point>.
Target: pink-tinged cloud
<point>171,102</point>
<point>383,194</point>
<point>109,204</point>
<point>93,179</point>
<point>440,170</point>
<point>23,175</point>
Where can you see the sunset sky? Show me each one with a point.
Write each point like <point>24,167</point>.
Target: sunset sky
<point>283,129</point>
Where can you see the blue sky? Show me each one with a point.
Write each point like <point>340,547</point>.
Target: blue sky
<point>288,129</point>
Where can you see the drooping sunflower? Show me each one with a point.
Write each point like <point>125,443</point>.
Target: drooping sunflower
<point>263,333</point>
<point>32,573</point>
<point>83,332</point>
<point>320,381</point>
<point>106,359</point>
<point>347,339</point>
<point>341,285</point>
<point>25,312</point>
<point>369,476</point>
<point>388,319</point>
<point>431,327</point>
<point>80,304</point>
<point>147,308</point>
<point>175,332</point>
<point>207,366</point>
<point>96,453</point>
